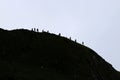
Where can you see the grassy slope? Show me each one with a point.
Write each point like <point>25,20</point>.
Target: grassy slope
<point>29,55</point>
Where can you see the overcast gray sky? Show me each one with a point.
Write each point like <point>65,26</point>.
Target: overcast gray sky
<point>96,22</point>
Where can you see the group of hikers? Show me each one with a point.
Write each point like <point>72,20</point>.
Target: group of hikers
<point>37,30</point>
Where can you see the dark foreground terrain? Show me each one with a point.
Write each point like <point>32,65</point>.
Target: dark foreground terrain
<point>29,55</point>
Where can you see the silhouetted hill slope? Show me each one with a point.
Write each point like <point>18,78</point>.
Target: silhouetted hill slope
<point>29,55</point>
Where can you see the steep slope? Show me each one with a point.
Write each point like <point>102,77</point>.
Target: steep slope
<point>29,55</point>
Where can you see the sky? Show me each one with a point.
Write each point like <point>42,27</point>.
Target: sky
<point>94,22</point>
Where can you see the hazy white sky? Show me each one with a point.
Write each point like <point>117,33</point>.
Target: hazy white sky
<point>96,22</point>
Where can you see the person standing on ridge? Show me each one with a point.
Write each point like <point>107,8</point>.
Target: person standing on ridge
<point>37,30</point>
<point>82,43</point>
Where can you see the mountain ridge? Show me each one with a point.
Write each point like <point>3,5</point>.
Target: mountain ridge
<point>29,55</point>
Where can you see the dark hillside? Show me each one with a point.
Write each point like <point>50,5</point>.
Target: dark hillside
<point>29,55</point>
